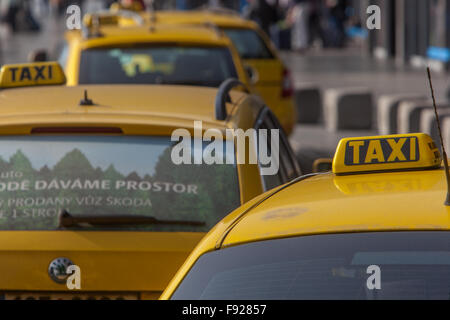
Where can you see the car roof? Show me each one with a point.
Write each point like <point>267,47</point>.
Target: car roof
<point>328,203</point>
<point>193,34</point>
<point>163,105</point>
<point>220,19</point>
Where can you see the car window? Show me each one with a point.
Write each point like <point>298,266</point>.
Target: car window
<point>200,66</point>
<point>288,168</point>
<point>63,54</point>
<point>412,265</point>
<point>287,158</point>
<point>110,175</point>
<point>248,43</point>
<point>273,180</point>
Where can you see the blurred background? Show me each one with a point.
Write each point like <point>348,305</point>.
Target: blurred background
<point>325,43</point>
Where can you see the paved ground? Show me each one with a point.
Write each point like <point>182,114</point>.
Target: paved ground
<point>327,69</point>
<point>350,68</point>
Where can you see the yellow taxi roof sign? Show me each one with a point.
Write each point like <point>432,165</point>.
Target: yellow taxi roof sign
<point>105,19</point>
<point>31,74</point>
<point>118,17</point>
<point>386,153</point>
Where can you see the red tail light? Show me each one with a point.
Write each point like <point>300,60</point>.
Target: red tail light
<point>75,130</point>
<point>287,84</point>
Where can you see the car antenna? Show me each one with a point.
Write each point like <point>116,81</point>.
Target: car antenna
<point>86,101</point>
<point>444,154</point>
<point>152,11</point>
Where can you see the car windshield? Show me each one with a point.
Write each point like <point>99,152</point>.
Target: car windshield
<point>383,265</point>
<point>249,44</point>
<point>127,176</point>
<point>199,66</point>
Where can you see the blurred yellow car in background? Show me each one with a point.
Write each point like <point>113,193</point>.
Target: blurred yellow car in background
<point>191,47</point>
<point>110,50</point>
<point>271,78</point>
<point>88,179</point>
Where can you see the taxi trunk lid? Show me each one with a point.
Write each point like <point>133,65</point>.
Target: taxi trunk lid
<point>109,261</point>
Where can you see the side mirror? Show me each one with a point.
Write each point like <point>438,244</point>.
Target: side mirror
<point>40,55</point>
<point>322,165</point>
<point>251,73</point>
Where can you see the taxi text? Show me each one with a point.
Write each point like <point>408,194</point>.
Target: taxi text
<point>34,73</point>
<point>386,150</point>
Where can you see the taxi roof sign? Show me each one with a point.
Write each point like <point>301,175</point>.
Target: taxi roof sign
<point>386,153</point>
<point>104,19</point>
<point>112,18</point>
<point>31,74</point>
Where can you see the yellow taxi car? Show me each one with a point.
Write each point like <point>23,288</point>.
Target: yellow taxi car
<point>376,227</point>
<point>118,48</point>
<point>271,78</point>
<point>90,179</point>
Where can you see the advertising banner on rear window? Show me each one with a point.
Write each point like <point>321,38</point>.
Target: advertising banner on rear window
<point>105,176</point>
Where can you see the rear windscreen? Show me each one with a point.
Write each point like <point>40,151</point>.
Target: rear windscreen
<point>198,66</point>
<point>249,44</point>
<point>109,175</point>
<point>355,266</point>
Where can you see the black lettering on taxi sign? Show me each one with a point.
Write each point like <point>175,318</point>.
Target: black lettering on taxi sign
<point>34,73</point>
<point>382,150</point>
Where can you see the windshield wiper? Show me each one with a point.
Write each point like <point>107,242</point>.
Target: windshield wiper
<point>66,220</point>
